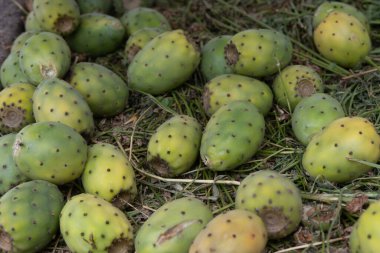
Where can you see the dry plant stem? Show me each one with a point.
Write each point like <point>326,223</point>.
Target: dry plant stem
<point>15,2</point>
<point>361,73</point>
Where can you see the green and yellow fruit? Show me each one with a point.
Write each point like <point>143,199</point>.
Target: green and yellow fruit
<point>32,24</point>
<point>100,6</point>
<point>19,42</point>
<point>10,71</point>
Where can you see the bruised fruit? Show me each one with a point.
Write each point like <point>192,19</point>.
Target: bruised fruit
<point>234,231</point>
<point>91,224</point>
<point>174,147</point>
<point>29,216</point>
<point>329,152</point>
<point>50,151</point>
<point>232,136</point>
<point>294,83</point>
<point>173,227</point>
<point>224,89</point>
<point>274,198</point>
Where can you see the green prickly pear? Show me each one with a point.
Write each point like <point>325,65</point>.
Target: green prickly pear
<point>329,152</point>
<point>97,35</point>
<point>32,24</point>
<point>16,107</point>
<point>327,7</point>
<point>45,55</point>
<point>10,71</point>
<point>223,89</point>
<point>142,17</point>
<point>91,224</point>
<point>213,62</point>
<point>258,52</point>
<point>173,227</point>
<point>19,42</point>
<point>138,40</point>
<point>118,184</point>
<point>232,136</point>
<point>50,151</point>
<point>29,216</point>
<point>313,114</point>
<point>365,233</point>
<point>57,16</point>
<point>56,100</point>
<point>105,92</point>
<point>234,231</point>
<point>164,63</point>
<point>294,83</point>
<point>100,6</point>
<point>274,198</point>
<point>10,173</point>
<point>174,147</point>
<point>341,38</point>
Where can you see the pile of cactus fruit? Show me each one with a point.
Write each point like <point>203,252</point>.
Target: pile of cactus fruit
<point>62,183</point>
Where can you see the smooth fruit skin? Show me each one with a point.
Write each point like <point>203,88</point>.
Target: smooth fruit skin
<point>44,56</point>
<point>232,136</point>
<point>16,107</point>
<point>118,184</point>
<point>50,151</point>
<point>234,231</point>
<point>294,83</point>
<point>91,224</point>
<point>29,217</point>
<point>313,114</point>
<point>165,63</point>
<point>100,6</point>
<point>258,52</point>
<point>142,17</point>
<point>327,7</point>
<point>274,198</point>
<point>224,89</point>
<point>32,24</point>
<point>105,92</point>
<point>213,62</point>
<point>364,237</point>
<point>10,173</point>
<point>342,39</point>
<point>10,71</point>
<point>57,16</point>
<point>174,147</point>
<point>19,42</point>
<point>97,35</point>
<point>56,100</point>
<point>173,227</point>
<point>328,151</point>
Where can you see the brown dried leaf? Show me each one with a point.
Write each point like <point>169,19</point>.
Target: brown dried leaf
<point>357,203</point>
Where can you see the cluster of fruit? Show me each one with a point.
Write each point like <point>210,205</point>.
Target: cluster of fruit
<point>53,151</point>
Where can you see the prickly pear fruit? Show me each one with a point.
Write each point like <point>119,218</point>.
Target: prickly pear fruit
<point>329,152</point>
<point>341,38</point>
<point>91,224</point>
<point>32,24</point>
<point>173,227</point>
<point>104,91</point>
<point>213,62</point>
<point>98,34</point>
<point>10,71</point>
<point>16,107</point>
<point>100,6</point>
<point>119,6</point>
<point>313,114</point>
<point>56,100</point>
<point>274,198</point>
<point>258,52</point>
<point>174,147</point>
<point>29,216</point>
<point>138,40</point>
<point>10,174</point>
<point>365,233</point>
<point>327,7</point>
<point>234,231</point>
<point>164,63</point>
<point>294,83</point>
<point>57,16</point>
<point>223,89</point>
<point>45,55</point>
<point>20,41</point>
<point>232,136</point>
<point>118,184</point>
<point>50,151</point>
<point>142,17</point>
